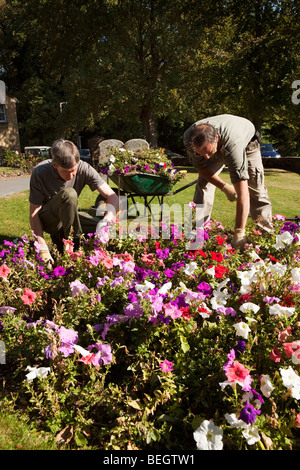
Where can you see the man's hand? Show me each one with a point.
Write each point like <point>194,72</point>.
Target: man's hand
<point>45,255</point>
<point>239,240</point>
<point>229,192</point>
<point>103,223</point>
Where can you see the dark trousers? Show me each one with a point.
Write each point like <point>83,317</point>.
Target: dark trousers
<point>60,216</point>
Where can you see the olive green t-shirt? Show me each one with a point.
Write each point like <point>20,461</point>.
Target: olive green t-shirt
<point>45,181</point>
<point>235,133</point>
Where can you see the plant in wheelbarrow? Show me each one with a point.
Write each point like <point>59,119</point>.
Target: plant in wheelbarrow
<point>154,163</point>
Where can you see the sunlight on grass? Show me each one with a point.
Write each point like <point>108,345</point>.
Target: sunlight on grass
<point>17,434</point>
<point>283,188</point>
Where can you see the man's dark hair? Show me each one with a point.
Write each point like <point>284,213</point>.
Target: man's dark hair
<point>203,133</point>
<point>65,153</point>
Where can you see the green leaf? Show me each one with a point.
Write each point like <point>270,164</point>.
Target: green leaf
<point>184,344</point>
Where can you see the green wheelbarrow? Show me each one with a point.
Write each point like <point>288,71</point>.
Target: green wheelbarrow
<point>147,186</point>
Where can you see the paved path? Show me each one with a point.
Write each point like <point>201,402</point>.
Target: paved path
<point>13,185</point>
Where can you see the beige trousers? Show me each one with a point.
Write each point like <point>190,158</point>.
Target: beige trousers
<point>260,204</point>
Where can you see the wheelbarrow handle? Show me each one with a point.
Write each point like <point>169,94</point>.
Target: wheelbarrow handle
<point>181,189</point>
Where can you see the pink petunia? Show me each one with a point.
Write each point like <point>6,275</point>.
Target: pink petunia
<point>28,296</point>
<point>237,372</point>
<point>284,334</point>
<point>172,310</point>
<point>88,359</point>
<point>275,355</point>
<point>4,271</point>
<point>108,262</point>
<point>166,366</point>
<point>69,245</point>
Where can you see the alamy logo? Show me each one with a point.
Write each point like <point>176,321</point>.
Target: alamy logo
<point>296,94</point>
<point>154,221</point>
<point>2,353</point>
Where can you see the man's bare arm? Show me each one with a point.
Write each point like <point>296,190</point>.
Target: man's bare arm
<point>112,202</point>
<point>35,223</point>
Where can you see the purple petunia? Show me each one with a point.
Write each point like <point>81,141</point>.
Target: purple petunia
<point>204,288</point>
<point>103,354</point>
<point>249,413</point>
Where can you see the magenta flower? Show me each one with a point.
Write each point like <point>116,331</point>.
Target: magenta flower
<point>166,366</point>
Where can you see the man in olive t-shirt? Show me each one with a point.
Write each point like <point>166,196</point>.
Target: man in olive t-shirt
<point>55,186</point>
<point>231,141</point>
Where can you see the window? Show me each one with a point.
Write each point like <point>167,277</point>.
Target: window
<point>2,113</point>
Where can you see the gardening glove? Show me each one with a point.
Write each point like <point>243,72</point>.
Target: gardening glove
<point>44,253</point>
<point>239,240</point>
<point>229,192</point>
<point>103,223</point>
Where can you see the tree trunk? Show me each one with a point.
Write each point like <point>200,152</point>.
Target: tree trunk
<point>149,126</point>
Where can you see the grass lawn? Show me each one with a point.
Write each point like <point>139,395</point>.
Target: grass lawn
<point>283,187</point>
<point>17,434</point>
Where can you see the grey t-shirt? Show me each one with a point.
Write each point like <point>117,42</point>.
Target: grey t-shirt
<point>235,133</point>
<point>45,181</point>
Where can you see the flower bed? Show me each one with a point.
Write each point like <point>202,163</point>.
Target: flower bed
<point>131,344</point>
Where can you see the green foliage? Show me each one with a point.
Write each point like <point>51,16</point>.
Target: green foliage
<point>149,66</point>
<point>25,163</point>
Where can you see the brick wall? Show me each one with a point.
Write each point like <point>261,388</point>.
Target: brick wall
<point>9,130</point>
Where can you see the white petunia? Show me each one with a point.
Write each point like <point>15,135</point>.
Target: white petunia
<point>242,329</point>
<point>111,169</point>
<point>165,288</point>
<point>35,372</point>
<point>282,240</point>
<point>296,355</point>
<point>291,381</point>
<point>211,271</point>
<point>249,307</point>
<point>208,436</point>
<point>251,434</point>
<point>82,351</point>
<point>266,386</point>
<point>144,287</point>
<point>295,272</point>
<point>280,310</point>
<point>233,421</point>
<point>190,268</point>
<point>247,277</point>
<point>277,268</point>
<point>218,301</point>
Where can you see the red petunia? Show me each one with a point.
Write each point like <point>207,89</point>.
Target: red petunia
<point>220,240</point>
<point>186,313</point>
<point>216,256</point>
<point>220,271</point>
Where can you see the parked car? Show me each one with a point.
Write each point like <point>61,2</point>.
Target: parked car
<point>268,151</point>
<point>85,155</point>
<point>38,151</point>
